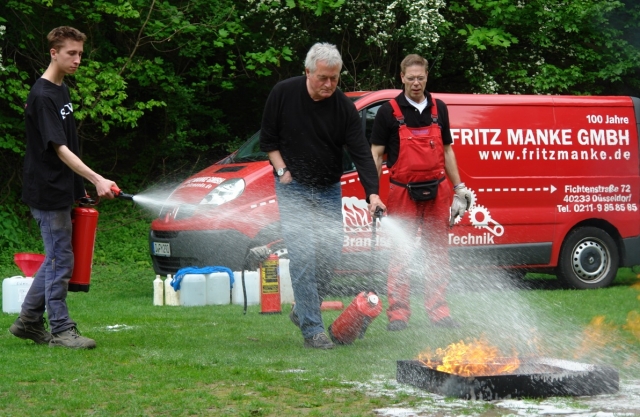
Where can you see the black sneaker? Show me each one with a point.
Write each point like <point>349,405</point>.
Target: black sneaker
<point>71,339</point>
<point>293,317</point>
<point>396,325</point>
<point>36,331</point>
<point>319,341</point>
<point>446,323</point>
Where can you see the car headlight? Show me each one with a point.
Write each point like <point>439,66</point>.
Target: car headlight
<point>226,191</point>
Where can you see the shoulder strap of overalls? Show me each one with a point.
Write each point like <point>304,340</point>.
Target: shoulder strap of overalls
<point>396,111</point>
<point>398,114</point>
<point>434,111</point>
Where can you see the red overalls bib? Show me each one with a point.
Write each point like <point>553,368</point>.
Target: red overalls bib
<point>421,153</point>
<point>420,159</point>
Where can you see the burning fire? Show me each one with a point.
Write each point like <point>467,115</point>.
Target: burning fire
<point>633,324</point>
<point>598,336</point>
<point>477,358</point>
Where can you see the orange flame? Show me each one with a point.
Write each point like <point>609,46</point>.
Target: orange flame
<point>474,359</point>
<point>598,336</point>
<point>633,324</point>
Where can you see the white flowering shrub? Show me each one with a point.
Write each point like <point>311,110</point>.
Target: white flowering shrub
<point>373,35</point>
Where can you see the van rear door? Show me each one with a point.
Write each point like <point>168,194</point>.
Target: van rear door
<point>499,142</point>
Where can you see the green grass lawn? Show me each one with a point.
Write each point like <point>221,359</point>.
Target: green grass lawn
<point>213,360</point>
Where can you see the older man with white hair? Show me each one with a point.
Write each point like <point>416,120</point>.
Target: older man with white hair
<point>306,123</point>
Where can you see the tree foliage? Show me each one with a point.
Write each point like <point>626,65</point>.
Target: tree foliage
<point>543,46</point>
<point>168,86</point>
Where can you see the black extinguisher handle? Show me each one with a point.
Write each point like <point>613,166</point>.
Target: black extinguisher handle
<point>86,201</point>
<point>117,192</point>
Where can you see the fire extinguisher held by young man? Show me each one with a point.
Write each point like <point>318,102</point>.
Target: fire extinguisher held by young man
<point>52,180</point>
<point>306,123</point>
<point>413,130</point>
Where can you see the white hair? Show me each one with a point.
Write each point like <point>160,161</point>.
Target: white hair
<point>323,52</point>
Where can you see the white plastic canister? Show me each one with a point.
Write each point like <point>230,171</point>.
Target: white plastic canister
<point>14,290</point>
<point>252,282</point>
<point>218,288</point>
<point>171,296</point>
<point>286,289</point>
<point>158,291</point>
<point>193,290</point>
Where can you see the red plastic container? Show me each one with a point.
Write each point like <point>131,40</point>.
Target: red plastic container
<point>331,305</point>
<point>29,263</point>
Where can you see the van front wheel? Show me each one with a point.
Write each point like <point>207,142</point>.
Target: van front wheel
<point>588,259</point>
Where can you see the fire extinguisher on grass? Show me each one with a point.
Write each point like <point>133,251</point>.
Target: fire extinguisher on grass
<point>365,307</point>
<point>353,321</point>
<point>270,286</point>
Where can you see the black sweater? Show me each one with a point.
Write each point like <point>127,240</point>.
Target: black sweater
<point>310,135</point>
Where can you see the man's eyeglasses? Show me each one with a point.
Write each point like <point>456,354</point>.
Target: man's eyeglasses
<point>419,79</point>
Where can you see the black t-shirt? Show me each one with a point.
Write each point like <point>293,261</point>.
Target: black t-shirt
<point>385,125</point>
<point>310,135</point>
<point>48,183</point>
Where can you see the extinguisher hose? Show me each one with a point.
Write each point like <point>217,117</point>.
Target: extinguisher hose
<point>377,216</point>
<point>244,293</point>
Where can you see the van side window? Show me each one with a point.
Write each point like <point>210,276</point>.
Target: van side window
<point>369,114</point>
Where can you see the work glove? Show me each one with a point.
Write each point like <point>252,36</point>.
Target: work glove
<point>462,191</point>
<point>461,202</point>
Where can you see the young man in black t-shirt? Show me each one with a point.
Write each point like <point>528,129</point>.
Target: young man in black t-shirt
<point>52,180</point>
<point>306,123</point>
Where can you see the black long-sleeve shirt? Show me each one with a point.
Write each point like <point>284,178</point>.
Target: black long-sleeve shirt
<point>310,135</point>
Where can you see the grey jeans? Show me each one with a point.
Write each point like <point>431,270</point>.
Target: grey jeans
<point>50,283</point>
<point>311,220</point>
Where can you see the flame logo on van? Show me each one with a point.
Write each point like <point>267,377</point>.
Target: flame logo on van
<point>355,215</point>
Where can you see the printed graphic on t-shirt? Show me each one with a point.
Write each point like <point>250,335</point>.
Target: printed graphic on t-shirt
<point>66,110</point>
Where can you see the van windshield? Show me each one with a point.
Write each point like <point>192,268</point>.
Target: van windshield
<point>248,152</point>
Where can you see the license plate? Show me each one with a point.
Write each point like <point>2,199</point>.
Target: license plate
<point>161,249</point>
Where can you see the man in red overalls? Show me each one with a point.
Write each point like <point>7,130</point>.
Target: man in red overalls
<point>413,130</point>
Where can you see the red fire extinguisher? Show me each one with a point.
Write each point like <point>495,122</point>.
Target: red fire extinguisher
<point>353,321</point>
<point>270,286</point>
<point>83,237</point>
<point>84,221</point>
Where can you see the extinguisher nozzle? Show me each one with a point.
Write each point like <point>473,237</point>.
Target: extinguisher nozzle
<point>119,194</point>
<point>125,196</point>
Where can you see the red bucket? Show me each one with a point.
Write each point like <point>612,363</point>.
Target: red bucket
<point>29,263</point>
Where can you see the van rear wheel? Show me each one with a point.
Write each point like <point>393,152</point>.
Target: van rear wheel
<point>588,259</point>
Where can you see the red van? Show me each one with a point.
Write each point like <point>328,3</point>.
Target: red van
<point>556,184</point>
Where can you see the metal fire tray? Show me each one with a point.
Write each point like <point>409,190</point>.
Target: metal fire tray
<point>535,378</point>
